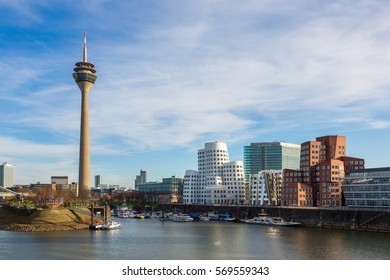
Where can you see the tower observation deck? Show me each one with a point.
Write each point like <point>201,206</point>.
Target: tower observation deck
<point>85,76</point>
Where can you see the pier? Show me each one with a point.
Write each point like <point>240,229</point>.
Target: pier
<point>99,213</point>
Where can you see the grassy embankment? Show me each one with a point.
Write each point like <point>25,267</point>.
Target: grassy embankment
<point>43,220</point>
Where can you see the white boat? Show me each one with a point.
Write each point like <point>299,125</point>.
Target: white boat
<point>225,217</point>
<point>166,217</point>
<point>204,218</point>
<point>123,214</point>
<point>156,215</point>
<point>110,225</point>
<point>220,217</point>
<point>265,219</point>
<point>212,216</point>
<point>181,218</point>
<point>139,216</point>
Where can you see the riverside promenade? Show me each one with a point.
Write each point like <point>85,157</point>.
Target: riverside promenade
<point>359,219</point>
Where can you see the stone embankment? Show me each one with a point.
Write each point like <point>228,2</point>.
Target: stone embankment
<point>28,220</point>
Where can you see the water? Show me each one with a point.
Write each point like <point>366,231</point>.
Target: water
<point>151,239</point>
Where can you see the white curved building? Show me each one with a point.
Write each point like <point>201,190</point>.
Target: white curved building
<point>217,181</point>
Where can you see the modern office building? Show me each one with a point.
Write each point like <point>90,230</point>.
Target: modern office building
<point>98,181</point>
<point>217,181</point>
<point>140,179</point>
<point>323,166</point>
<point>368,188</point>
<point>270,156</point>
<point>170,190</point>
<point>85,76</point>
<point>60,180</point>
<point>7,175</point>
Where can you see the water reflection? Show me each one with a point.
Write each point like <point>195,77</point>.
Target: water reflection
<point>151,239</point>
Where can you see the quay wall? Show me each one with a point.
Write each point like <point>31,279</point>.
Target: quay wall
<point>342,218</point>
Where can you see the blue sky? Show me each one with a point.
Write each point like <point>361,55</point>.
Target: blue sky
<point>175,74</point>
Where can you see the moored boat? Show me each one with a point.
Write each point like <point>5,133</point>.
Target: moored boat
<point>181,218</point>
<point>213,216</point>
<point>265,219</point>
<point>203,218</point>
<point>139,216</point>
<point>111,225</point>
<point>225,217</point>
<point>123,214</point>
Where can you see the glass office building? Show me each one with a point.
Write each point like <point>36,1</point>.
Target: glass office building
<point>168,191</point>
<point>270,156</point>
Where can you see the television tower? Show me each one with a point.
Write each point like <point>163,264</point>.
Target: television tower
<point>85,76</point>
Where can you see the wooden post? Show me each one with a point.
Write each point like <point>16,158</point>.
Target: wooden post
<point>105,213</point>
<point>92,211</point>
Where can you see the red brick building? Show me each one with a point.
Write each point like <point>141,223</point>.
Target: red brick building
<point>323,166</point>
<point>294,192</point>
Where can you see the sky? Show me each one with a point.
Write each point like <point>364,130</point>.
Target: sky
<point>175,74</point>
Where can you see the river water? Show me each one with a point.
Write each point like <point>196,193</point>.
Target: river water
<point>151,239</point>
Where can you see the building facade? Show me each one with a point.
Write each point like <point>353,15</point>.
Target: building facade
<point>140,179</point>
<point>265,187</point>
<point>368,188</point>
<point>294,191</point>
<point>217,180</point>
<point>270,156</point>
<point>7,175</point>
<point>60,180</point>
<point>323,166</point>
<point>170,190</point>
<point>51,188</point>
<point>98,181</point>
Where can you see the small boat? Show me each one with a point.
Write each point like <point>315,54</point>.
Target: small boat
<point>156,215</point>
<point>95,227</point>
<point>181,218</point>
<point>220,217</point>
<point>203,218</point>
<point>110,225</point>
<point>225,217</point>
<point>123,214</point>
<point>212,216</point>
<point>265,219</point>
<point>139,216</point>
<point>147,215</point>
<point>166,217</point>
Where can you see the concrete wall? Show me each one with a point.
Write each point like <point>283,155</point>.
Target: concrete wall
<point>348,219</point>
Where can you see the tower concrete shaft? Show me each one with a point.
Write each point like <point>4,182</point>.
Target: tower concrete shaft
<point>85,76</point>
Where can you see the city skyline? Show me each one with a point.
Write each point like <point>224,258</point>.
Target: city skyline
<point>175,75</point>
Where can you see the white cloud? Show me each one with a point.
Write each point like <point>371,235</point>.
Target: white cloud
<point>200,83</point>
<point>38,160</point>
<point>211,70</point>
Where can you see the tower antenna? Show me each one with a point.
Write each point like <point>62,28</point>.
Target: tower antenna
<point>85,48</point>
